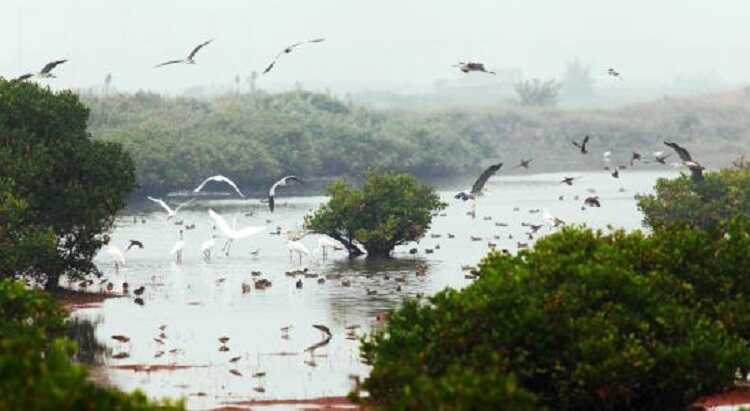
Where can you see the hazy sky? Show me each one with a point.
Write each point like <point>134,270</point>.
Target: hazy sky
<point>384,44</point>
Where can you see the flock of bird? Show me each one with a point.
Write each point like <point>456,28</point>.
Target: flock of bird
<point>232,233</point>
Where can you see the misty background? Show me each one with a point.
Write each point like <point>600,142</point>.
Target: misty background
<point>396,46</point>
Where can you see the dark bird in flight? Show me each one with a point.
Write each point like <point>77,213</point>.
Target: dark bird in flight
<point>139,291</point>
<point>582,144</point>
<point>134,243</point>
<point>616,173</point>
<point>478,186</point>
<point>635,157</point>
<point>660,158</point>
<point>468,67</point>
<point>325,330</point>
<point>190,58</point>
<point>288,50</point>
<point>614,73</point>
<point>281,183</point>
<point>695,168</point>
<point>525,163</point>
<point>45,73</point>
<point>568,180</point>
<point>592,201</point>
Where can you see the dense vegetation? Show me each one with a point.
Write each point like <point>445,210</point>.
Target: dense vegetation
<point>583,321</point>
<point>56,180</point>
<point>720,196</point>
<point>256,138</point>
<point>36,372</point>
<point>389,210</point>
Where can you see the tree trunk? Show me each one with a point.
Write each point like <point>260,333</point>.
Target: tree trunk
<point>352,248</point>
<point>53,283</point>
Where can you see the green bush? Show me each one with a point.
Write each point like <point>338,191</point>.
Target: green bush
<point>36,372</point>
<point>67,182</point>
<point>388,210</point>
<point>584,321</point>
<point>707,204</point>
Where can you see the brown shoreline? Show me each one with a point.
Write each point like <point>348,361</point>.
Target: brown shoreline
<point>72,300</point>
<point>321,403</point>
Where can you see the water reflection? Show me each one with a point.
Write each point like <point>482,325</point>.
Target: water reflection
<point>185,308</point>
<point>90,350</point>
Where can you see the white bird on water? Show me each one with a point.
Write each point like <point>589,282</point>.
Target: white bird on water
<point>177,249</point>
<point>296,247</point>
<point>170,212</point>
<point>117,255</point>
<point>221,179</point>
<point>324,243</point>
<point>281,183</point>
<point>207,247</point>
<point>232,233</point>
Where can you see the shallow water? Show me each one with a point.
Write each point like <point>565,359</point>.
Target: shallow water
<point>201,301</point>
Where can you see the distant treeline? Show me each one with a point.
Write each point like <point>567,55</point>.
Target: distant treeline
<point>257,138</point>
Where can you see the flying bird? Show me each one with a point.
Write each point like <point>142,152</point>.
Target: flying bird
<point>232,234</point>
<point>190,58</point>
<point>568,180</point>
<point>468,67</point>
<point>592,201</point>
<point>325,330</point>
<point>635,157</point>
<point>525,163</point>
<point>134,243</point>
<point>582,144</point>
<point>476,189</point>
<point>46,71</point>
<point>221,179</point>
<point>281,183</point>
<point>288,50</point>
<point>660,158</point>
<point>170,212</point>
<point>695,168</point>
<point>614,73</point>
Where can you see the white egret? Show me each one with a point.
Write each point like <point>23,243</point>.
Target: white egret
<point>171,213</point>
<point>324,243</point>
<point>221,179</point>
<point>281,183</point>
<point>177,249</point>
<point>117,255</point>
<point>207,247</point>
<point>232,233</point>
<point>296,247</point>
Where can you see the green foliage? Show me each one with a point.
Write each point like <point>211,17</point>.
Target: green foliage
<point>388,210</point>
<point>537,92</point>
<point>722,195</point>
<point>256,138</point>
<point>36,372</point>
<point>66,182</point>
<point>583,321</point>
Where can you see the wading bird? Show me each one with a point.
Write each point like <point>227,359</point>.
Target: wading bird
<point>468,67</point>
<point>207,247</point>
<point>170,212</point>
<point>281,183</point>
<point>324,243</point>
<point>220,179</point>
<point>288,50</point>
<point>190,58</point>
<point>582,144</point>
<point>177,249</point>
<point>46,71</point>
<point>478,186</point>
<point>635,157</point>
<point>231,233</point>
<point>296,247</point>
